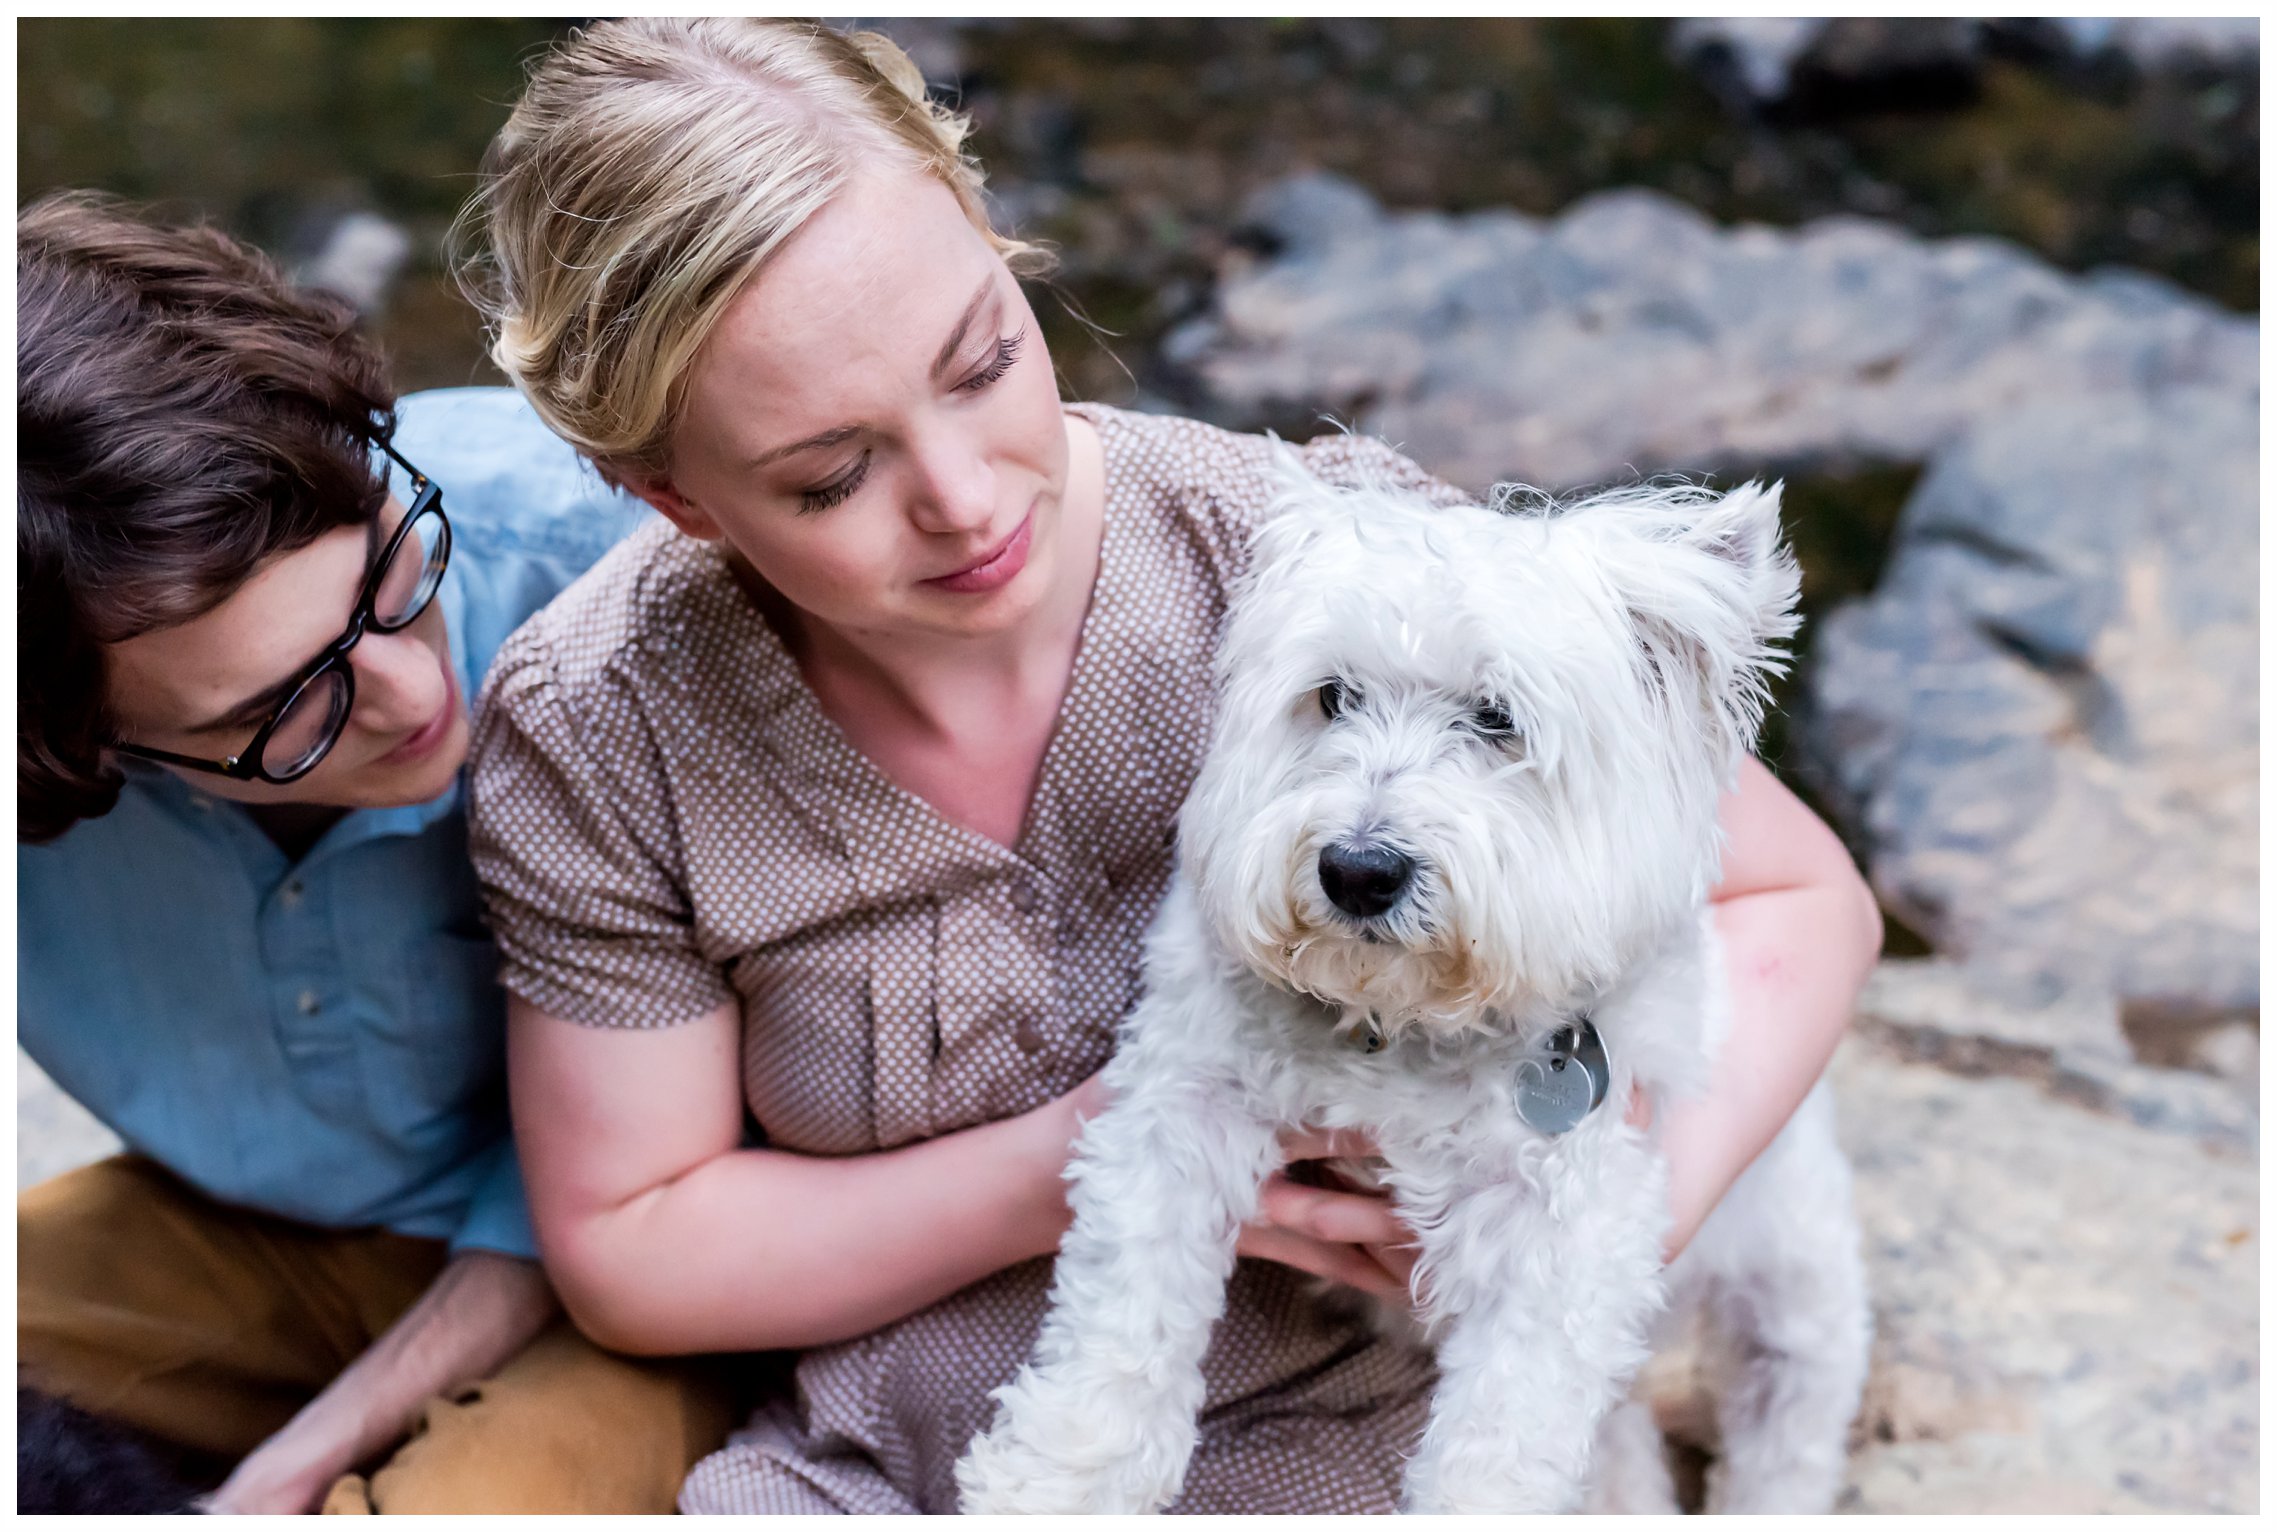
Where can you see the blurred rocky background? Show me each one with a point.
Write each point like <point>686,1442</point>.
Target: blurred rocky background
<point>1983,293</point>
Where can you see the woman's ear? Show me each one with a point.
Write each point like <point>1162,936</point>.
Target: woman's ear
<point>673,506</point>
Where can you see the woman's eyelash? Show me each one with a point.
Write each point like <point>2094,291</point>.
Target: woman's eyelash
<point>813,501</point>
<point>1007,352</point>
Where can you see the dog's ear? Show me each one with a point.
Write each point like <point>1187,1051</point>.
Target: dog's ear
<point>1742,527</point>
<point>1711,627</point>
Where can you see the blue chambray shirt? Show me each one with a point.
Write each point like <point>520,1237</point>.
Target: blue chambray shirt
<point>322,1040</point>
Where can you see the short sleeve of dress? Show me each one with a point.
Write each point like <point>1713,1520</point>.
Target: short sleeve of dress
<point>1342,458</point>
<point>1219,487</point>
<point>572,837</point>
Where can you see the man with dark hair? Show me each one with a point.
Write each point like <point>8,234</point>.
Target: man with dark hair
<point>255,596</point>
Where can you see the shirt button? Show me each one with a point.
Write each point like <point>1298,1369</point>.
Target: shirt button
<point>309,1003</point>
<point>290,895</point>
<point>1028,1035</point>
<point>1024,898</point>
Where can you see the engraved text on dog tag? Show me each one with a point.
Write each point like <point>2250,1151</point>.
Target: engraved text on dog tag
<point>1563,1084</point>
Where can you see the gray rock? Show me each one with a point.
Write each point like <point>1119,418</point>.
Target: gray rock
<point>1757,61</point>
<point>2160,42</point>
<point>2042,727</point>
<point>2066,1301</point>
<point>2045,719</point>
<point>1753,62</point>
<point>1630,334</point>
<point>2075,1047</point>
<point>1752,54</point>
<point>53,1132</point>
<point>359,259</point>
<point>2067,1304</point>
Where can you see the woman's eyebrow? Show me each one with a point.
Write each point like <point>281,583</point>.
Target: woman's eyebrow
<point>956,338</point>
<point>941,362</point>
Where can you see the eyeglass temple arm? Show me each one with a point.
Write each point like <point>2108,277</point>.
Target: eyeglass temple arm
<point>402,462</point>
<point>228,765</point>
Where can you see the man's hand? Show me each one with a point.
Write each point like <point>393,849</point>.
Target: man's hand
<point>483,1309</point>
<point>288,1474</point>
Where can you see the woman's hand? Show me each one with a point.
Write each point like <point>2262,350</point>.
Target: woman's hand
<point>1342,1233</point>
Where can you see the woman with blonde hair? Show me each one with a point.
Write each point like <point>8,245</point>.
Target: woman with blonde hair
<point>840,799</point>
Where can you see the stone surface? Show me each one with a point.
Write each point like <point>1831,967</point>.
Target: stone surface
<point>2044,720</point>
<point>2066,1303</point>
<point>1760,60</point>
<point>2075,1047</point>
<point>53,1132</point>
<point>1631,335</point>
<point>360,258</point>
<point>2042,727</point>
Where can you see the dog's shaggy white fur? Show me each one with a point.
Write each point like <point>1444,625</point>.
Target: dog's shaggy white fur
<point>1462,789</point>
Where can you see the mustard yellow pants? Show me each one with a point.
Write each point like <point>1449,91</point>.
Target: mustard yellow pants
<point>207,1326</point>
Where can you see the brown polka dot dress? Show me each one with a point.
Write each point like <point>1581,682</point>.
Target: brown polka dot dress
<point>664,820</point>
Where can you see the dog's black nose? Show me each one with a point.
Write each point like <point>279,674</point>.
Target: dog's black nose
<point>1364,880</point>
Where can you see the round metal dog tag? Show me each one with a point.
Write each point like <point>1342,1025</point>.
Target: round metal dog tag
<point>1563,1084</point>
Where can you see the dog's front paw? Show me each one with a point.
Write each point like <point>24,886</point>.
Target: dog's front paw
<point>1079,1460</point>
<point>1003,1475</point>
<point>1504,1486</point>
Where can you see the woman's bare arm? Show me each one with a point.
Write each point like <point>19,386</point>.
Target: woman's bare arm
<point>1801,932</point>
<point>663,1236</point>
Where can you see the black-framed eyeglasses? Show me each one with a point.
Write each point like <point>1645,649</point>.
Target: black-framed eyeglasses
<point>318,700</point>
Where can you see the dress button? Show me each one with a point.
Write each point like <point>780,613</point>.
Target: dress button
<point>1024,898</point>
<point>1028,1035</point>
<point>290,895</point>
<point>309,1003</point>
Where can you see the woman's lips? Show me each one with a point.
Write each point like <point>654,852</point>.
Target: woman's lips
<point>997,569</point>
<point>431,733</point>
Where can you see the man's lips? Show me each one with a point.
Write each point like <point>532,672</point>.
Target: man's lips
<point>994,568</point>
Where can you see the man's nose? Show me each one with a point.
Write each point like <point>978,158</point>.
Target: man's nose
<point>399,681</point>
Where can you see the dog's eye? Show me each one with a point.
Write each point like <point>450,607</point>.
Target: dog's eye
<point>1335,698</point>
<point>1492,721</point>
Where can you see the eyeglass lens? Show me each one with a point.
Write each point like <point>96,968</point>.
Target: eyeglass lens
<point>311,721</point>
<point>413,571</point>
<point>317,713</point>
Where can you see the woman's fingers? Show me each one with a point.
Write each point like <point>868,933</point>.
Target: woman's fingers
<point>1326,1144</point>
<point>1397,1260</point>
<point>1346,1218</point>
<point>1348,1264</point>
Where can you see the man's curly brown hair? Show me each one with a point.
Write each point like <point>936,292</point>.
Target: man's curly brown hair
<point>183,414</point>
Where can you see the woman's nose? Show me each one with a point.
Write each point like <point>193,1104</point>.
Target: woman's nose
<point>956,488</point>
<point>399,681</point>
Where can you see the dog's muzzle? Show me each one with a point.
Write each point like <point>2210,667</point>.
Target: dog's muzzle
<point>1365,880</point>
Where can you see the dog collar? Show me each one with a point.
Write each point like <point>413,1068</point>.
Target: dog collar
<point>1564,1080</point>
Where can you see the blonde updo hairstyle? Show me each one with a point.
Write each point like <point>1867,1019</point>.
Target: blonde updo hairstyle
<point>649,170</point>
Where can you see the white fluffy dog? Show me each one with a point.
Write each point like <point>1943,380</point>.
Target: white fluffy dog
<point>1443,878</point>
